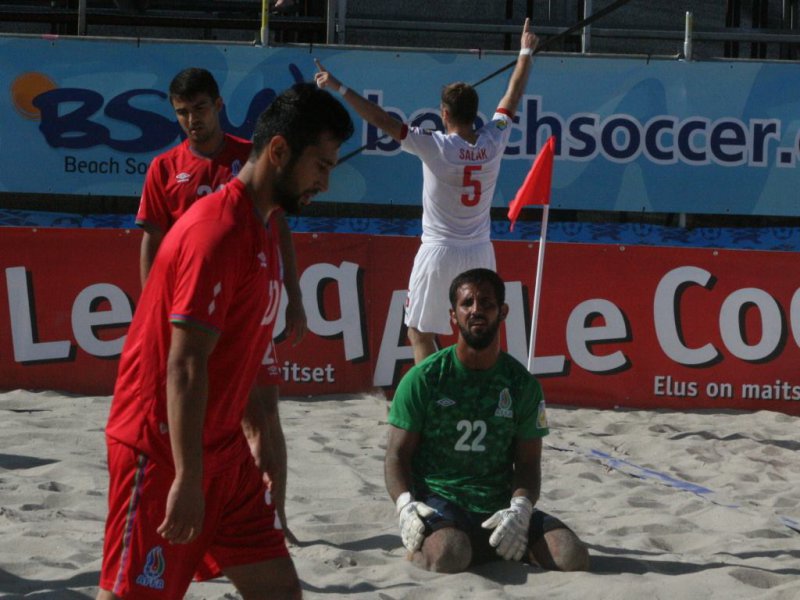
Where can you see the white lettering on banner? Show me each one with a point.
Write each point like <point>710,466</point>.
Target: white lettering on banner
<point>23,324</point>
<point>794,316</point>
<point>591,323</point>
<point>667,316</point>
<point>292,371</point>
<point>581,334</point>
<point>86,320</point>
<point>780,390</point>
<point>392,351</point>
<point>349,325</point>
<point>732,315</point>
<point>665,385</point>
<point>517,336</point>
<point>667,319</point>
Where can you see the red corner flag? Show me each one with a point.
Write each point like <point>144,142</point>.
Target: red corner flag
<point>536,187</point>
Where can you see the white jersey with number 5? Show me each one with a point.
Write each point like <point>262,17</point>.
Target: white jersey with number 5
<point>459,180</point>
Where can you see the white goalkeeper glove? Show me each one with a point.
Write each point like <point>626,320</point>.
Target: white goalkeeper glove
<point>412,529</point>
<point>510,535</point>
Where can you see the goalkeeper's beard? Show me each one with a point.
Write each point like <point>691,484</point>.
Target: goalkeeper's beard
<point>482,340</point>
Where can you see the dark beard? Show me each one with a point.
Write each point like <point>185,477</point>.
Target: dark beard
<point>288,200</point>
<point>480,341</point>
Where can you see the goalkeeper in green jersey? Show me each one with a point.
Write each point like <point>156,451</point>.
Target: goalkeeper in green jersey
<point>463,461</point>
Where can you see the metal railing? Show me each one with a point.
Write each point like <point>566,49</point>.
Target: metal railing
<point>332,27</point>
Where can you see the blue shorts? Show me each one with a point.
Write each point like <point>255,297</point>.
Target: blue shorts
<point>452,515</point>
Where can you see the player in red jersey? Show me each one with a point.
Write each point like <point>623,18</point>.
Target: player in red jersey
<point>185,496</point>
<point>203,163</point>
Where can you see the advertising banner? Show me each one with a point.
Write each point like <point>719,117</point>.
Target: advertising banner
<point>633,134</point>
<point>628,326</point>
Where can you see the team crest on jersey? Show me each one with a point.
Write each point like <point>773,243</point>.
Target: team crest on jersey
<point>183,177</point>
<point>504,405</point>
<point>541,418</point>
<point>154,568</point>
<point>501,124</point>
<point>236,166</point>
<point>445,402</point>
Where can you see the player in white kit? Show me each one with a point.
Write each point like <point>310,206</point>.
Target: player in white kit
<point>460,167</point>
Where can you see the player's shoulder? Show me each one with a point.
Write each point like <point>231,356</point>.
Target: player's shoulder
<point>236,140</point>
<point>168,162</point>
<point>501,122</point>
<point>429,370</point>
<point>513,366</point>
<point>237,146</point>
<point>170,154</point>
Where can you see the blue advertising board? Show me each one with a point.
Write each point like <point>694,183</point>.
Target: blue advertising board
<point>85,117</point>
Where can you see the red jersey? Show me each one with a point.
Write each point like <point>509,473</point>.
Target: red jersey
<point>179,176</point>
<point>211,272</point>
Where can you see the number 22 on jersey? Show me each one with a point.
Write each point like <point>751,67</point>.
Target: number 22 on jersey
<point>470,182</point>
<point>472,434</point>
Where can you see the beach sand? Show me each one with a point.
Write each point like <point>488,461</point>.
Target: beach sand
<point>679,505</point>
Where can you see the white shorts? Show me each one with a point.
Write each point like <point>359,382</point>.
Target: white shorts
<point>435,266</point>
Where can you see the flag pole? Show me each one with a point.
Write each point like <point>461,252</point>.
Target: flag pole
<point>537,286</point>
<point>264,23</point>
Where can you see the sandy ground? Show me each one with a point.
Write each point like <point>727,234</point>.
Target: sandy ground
<point>691,505</point>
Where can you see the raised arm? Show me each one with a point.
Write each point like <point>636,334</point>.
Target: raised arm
<point>369,111</point>
<point>519,77</point>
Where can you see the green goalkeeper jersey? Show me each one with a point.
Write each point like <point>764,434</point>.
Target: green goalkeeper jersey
<point>469,421</point>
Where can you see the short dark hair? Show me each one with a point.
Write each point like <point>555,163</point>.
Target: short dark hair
<point>477,277</point>
<point>461,101</point>
<point>192,82</point>
<point>301,115</point>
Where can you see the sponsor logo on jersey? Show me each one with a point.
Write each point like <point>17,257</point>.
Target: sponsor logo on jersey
<point>501,124</point>
<point>504,405</point>
<point>154,568</point>
<point>183,177</point>
<point>445,402</point>
<point>541,418</point>
<point>262,259</point>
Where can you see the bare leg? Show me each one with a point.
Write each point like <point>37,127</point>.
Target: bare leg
<point>424,344</point>
<point>269,450</point>
<point>560,550</point>
<point>269,580</point>
<point>105,595</point>
<point>446,550</point>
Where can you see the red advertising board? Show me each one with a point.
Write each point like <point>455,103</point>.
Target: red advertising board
<point>635,326</point>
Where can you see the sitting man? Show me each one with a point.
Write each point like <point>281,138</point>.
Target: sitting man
<point>463,461</point>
